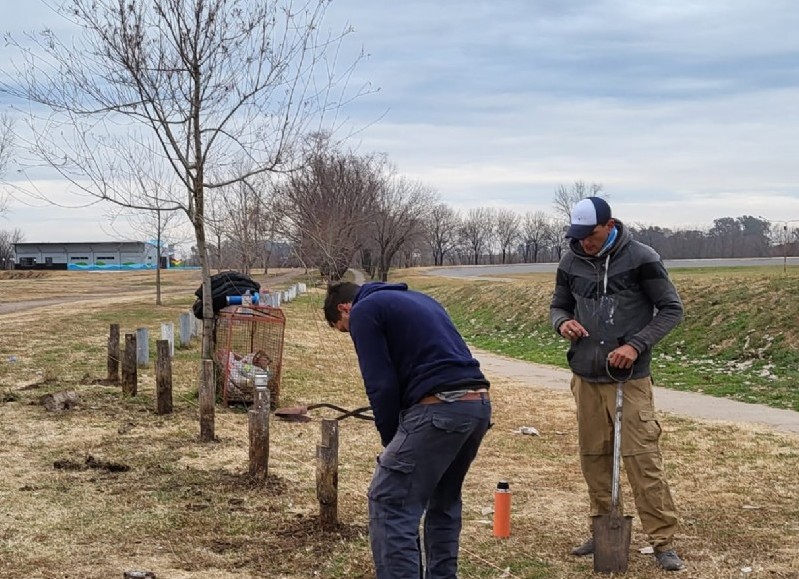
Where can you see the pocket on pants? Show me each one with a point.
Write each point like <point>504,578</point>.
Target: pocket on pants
<point>392,480</point>
<point>452,424</point>
<point>646,433</point>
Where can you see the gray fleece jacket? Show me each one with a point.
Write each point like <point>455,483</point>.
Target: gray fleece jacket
<point>623,297</point>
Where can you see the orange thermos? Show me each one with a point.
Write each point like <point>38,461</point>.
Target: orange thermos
<point>502,510</point>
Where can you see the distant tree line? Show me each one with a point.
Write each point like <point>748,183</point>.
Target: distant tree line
<point>342,209</point>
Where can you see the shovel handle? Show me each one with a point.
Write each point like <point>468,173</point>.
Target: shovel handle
<point>616,482</point>
<point>614,494</point>
<point>357,413</point>
<point>609,372</point>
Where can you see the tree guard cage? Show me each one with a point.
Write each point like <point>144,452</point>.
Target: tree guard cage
<point>249,342</point>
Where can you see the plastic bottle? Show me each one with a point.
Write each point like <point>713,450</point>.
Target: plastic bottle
<point>502,510</point>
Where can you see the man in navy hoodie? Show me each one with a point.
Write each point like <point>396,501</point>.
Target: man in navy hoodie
<point>431,406</point>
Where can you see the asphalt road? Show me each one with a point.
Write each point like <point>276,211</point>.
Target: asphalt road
<point>484,271</point>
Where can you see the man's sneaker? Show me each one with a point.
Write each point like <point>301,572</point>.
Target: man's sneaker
<point>586,548</point>
<point>669,560</point>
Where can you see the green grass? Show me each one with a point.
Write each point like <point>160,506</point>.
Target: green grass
<point>736,340</point>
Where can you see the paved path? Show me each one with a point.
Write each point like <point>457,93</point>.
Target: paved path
<point>688,404</point>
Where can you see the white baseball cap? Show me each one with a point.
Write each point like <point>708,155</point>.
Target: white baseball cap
<point>586,215</point>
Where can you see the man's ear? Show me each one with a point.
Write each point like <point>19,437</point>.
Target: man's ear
<point>344,308</point>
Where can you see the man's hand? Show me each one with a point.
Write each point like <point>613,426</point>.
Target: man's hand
<point>623,357</point>
<point>572,330</point>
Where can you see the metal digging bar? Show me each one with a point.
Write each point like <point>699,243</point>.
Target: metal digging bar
<point>300,413</point>
<point>612,531</point>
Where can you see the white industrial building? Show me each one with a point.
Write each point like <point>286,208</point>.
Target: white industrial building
<point>97,255</point>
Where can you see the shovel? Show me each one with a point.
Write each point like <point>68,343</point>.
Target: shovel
<point>300,413</point>
<point>612,531</point>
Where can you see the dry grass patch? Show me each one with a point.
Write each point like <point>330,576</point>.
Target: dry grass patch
<point>186,509</point>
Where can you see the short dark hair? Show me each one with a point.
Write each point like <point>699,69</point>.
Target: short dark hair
<point>342,292</point>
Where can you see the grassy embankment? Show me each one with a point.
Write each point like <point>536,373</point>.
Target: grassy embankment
<point>739,338</point>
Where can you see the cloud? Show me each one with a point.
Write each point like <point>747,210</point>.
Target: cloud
<point>685,110</point>
<point>682,110</point>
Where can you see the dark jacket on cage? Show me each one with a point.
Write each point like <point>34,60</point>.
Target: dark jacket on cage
<point>224,284</point>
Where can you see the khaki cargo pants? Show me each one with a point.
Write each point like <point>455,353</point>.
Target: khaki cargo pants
<point>643,463</point>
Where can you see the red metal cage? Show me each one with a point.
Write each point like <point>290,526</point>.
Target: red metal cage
<point>249,340</point>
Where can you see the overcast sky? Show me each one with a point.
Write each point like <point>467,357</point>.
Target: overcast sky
<point>685,111</point>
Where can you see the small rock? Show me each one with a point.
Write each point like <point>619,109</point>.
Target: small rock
<point>531,430</point>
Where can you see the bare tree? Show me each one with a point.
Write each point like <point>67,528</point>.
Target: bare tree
<point>159,227</point>
<point>567,197</point>
<point>533,234</point>
<point>245,215</point>
<point>216,225</point>
<point>443,225</point>
<point>6,144</point>
<point>271,220</point>
<point>476,231</point>
<point>7,241</point>
<point>400,212</point>
<point>202,84</point>
<point>152,184</point>
<point>507,225</point>
<point>553,238</point>
<point>329,205</point>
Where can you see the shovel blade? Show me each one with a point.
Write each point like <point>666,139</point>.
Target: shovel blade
<point>611,543</point>
<point>293,414</point>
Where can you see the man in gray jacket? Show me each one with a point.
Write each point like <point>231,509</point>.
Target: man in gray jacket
<point>613,301</point>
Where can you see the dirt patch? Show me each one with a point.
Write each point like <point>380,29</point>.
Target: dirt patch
<point>23,274</point>
<point>90,462</point>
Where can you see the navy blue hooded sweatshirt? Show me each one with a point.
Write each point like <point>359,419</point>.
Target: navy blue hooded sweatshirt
<point>407,348</point>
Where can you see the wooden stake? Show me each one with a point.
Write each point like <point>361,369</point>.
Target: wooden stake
<point>163,378</point>
<point>207,401</point>
<point>327,475</point>
<point>129,372</point>
<point>258,418</point>
<point>113,354</point>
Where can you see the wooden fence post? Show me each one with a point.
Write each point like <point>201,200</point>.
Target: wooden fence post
<point>327,475</point>
<point>163,378</point>
<point>258,418</point>
<point>113,354</point>
<point>207,401</point>
<point>129,373</point>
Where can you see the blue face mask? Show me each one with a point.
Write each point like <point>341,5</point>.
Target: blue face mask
<point>608,242</point>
